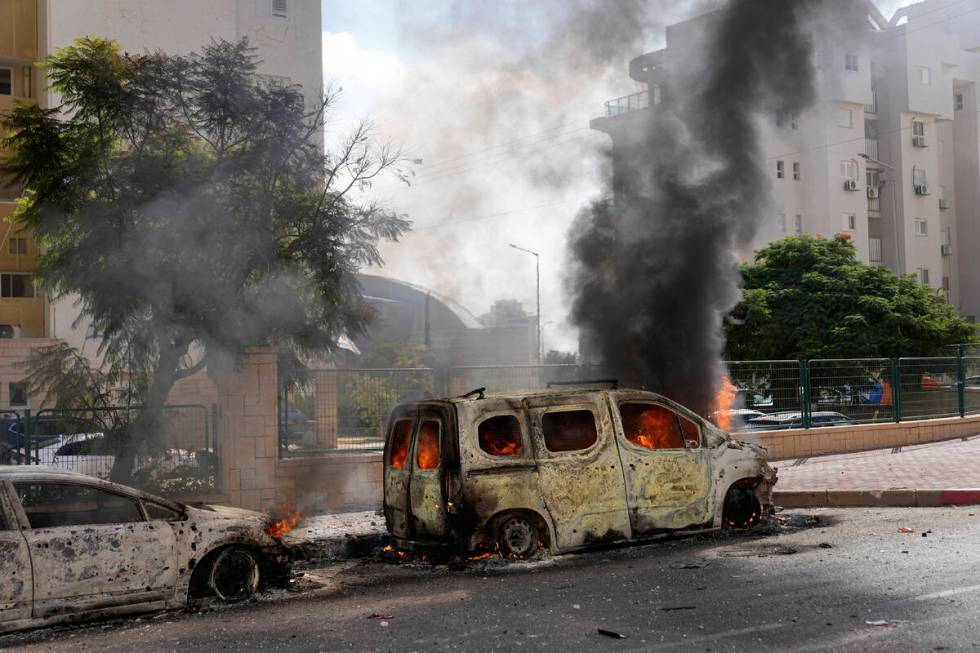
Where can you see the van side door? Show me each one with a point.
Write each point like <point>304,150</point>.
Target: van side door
<point>667,471</point>
<point>398,469</point>
<point>16,583</point>
<point>427,499</point>
<point>579,474</point>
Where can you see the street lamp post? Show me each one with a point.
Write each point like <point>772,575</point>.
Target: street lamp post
<point>537,270</point>
<point>899,263</point>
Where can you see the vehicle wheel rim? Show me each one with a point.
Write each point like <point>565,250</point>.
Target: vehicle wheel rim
<point>234,575</point>
<point>518,536</point>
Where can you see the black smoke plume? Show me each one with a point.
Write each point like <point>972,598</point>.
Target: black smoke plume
<point>656,269</point>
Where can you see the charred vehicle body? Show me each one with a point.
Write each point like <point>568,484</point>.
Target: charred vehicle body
<point>73,547</point>
<point>563,470</point>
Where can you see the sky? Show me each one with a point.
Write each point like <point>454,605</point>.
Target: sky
<point>493,100</point>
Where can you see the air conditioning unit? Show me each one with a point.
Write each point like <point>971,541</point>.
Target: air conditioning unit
<point>921,189</point>
<point>943,204</point>
<point>919,141</point>
<point>872,193</point>
<point>850,184</point>
<point>946,250</point>
<point>6,331</point>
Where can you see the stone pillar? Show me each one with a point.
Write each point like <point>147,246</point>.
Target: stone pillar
<point>249,449</point>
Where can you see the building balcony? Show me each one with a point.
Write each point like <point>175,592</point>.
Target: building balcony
<point>628,103</point>
<point>871,147</point>
<point>873,107</point>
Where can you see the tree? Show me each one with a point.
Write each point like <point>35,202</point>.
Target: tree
<point>189,205</point>
<point>807,298</point>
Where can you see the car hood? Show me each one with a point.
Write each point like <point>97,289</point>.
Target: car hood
<point>229,512</point>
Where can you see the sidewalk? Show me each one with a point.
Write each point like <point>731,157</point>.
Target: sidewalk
<point>934,474</point>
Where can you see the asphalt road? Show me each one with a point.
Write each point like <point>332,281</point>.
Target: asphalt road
<point>757,592</point>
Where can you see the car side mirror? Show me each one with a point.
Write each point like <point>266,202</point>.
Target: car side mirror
<point>692,444</point>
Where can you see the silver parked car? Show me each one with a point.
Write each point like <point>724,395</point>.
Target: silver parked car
<point>75,547</point>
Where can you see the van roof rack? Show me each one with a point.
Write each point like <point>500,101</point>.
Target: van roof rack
<point>612,383</point>
<point>478,391</point>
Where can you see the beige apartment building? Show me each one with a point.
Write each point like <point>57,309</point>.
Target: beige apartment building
<point>286,35</point>
<point>889,155</point>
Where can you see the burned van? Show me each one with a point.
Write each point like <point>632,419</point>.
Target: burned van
<point>563,469</point>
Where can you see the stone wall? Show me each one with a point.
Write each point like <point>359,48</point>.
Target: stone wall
<point>255,477</point>
<point>795,443</point>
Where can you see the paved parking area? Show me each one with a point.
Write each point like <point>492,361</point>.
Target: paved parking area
<point>937,465</point>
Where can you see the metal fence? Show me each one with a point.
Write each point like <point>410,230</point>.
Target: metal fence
<point>344,410</point>
<point>182,460</point>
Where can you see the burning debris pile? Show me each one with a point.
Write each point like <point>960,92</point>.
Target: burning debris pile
<point>655,270</point>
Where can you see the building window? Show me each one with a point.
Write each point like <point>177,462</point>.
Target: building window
<point>6,81</point>
<point>794,121</point>
<point>918,133</point>
<point>845,118</point>
<point>851,62</point>
<point>849,221</point>
<point>18,245</point>
<point>16,285</point>
<point>18,393</point>
<point>656,91</point>
<point>780,170</point>
<point>946,284</point>
<point>874,250</point>
<point>849,170</point>
<point>782,222</point>
<point>796,170</point>
<point>279,8</point>
<point>920,228</point>
<point>427,447</point>
<point>780,118</point>
<point>799,223</point>
<point>919,182</point>
<point>924,276</point>
<point>925,75</point>
<point>959,101</point>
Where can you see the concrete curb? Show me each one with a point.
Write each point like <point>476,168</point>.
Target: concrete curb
<point>904,498</point>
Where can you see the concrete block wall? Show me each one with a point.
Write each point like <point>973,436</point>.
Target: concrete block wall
<point>795,443</point>
<point>249,448</point>
<point>343,481</point>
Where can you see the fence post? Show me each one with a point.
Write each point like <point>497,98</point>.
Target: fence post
<point>28,439</point>
<point>896,390</point>
<point>961,382</point>
<point>805,393</point>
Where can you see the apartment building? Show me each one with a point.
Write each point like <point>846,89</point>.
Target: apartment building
<point>889,155</point>
<point>286,35</point>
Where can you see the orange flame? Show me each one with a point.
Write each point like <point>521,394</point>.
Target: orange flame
<point>724,400</point>
<point>283,521</point>
<point>428,456</point>
<point>496,442</point>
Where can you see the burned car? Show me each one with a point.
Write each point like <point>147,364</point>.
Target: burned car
<point>563,469</point>
<point>74,547</point>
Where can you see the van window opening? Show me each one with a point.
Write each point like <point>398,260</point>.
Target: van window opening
<point>400,435</point>
<point>428,445</point>
<point>651,426</point>
<point>570,430</point>
<point>692,435</point>
<point>501,436</point>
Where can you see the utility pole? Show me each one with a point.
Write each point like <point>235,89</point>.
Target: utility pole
<point>537,269</point>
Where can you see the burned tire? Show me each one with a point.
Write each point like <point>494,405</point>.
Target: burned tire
<point>742,508</point>
<point>517,536</point>
<point>234,574</point>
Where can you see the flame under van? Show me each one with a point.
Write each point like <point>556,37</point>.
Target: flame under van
<point>563,469</point>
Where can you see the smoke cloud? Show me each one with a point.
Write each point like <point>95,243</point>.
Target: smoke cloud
<point>654,271</point>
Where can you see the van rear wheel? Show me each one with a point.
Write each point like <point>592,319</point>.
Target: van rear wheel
<point>517,537</point>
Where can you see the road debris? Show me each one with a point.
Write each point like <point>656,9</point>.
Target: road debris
<point>905,529</point>
<point>672,608</point>
<point>610,633</point>
<point>379,615</point>
<point>881,623</point>
<point>825,545</point>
